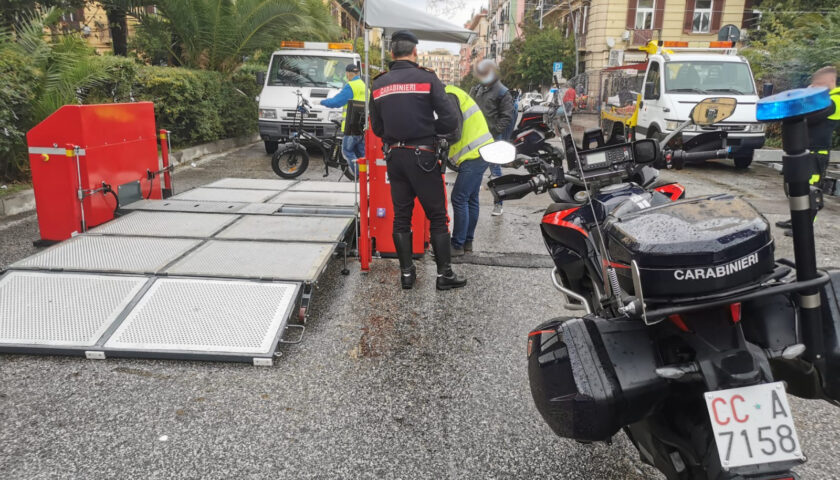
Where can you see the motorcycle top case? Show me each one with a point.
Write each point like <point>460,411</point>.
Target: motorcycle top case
<point>692,247</point>
<point>590,376</point>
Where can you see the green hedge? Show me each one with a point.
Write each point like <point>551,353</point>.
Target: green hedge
<point>197,106</point>
<point>16,96</point>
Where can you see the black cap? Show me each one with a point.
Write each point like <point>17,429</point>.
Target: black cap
<point>352,68</point>
<point>404,35</point>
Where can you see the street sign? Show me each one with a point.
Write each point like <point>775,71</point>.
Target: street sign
<point>558,67</point>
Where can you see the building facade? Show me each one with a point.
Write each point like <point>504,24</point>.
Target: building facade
<point>446,64</point>
<point>477,49</point>
<point>609,32</point>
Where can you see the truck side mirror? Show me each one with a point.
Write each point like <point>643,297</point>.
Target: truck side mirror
<point>766,90</point>
<point>650,91</point>
<point>260,79</point>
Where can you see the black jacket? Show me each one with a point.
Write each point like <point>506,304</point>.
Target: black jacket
<point>403,102</point>
<point>496,107</point>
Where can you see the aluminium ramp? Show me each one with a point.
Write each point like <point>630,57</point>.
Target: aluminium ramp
<point>190,206</point>
<point>252,183</point>
<point>243,195</point>
<point>322,186</point>
<point>289,228</point>
<point>166,224</point>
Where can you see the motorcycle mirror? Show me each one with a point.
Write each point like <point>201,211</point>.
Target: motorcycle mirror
<point>713,110</point>
<point>498,153</point>
<point>646,151</point>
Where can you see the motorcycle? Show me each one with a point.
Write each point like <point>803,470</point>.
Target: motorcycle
<point>692,334</point>
<point>538,124</point>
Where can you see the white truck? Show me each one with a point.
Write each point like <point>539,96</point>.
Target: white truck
<point>678,77</point>
<point>317,70</point>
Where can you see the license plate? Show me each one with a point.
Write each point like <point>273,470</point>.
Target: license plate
<point>753,425</point>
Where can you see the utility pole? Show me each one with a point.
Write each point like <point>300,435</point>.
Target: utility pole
<point>542,5</point>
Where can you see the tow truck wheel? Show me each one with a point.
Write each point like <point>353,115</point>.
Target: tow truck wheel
<point>743,162</point>
<point>270,147</point>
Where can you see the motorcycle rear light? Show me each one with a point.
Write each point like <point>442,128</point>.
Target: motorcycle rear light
<point>678,321</point>
<point>735,309</point>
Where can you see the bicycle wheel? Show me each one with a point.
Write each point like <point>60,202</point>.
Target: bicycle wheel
<point>290,162</point>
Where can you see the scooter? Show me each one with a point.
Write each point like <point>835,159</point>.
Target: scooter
<point>691,334</point>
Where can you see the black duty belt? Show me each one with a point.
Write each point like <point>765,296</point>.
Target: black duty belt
<point>416,148</point>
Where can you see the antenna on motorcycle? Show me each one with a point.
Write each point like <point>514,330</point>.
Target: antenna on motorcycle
<point>611,286</point>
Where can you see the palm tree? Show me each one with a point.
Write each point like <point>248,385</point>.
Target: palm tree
<point>219,34</point>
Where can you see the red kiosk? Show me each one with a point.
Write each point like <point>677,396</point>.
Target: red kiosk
<point>376,214</point>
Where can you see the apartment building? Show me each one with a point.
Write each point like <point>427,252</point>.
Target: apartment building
<point>476,50</point>
<point>446,64</point>
<point>609,32</point>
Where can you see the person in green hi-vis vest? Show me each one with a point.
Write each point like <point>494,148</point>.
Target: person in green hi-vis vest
<point>353,146</point>
<point>464,153</point>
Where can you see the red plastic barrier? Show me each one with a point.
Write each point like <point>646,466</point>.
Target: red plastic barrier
<point>381,208</point>
<point>77,149</point>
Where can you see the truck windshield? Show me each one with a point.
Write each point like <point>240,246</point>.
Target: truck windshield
<point>308,71</point>
<point>709,77</point>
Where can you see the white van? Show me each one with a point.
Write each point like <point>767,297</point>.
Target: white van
<point>676,81</point>
<point>316,69</point>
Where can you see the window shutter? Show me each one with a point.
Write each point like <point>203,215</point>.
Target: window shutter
<point>688,19</point>
<point>658,14</point>
<point>717,13</point>
<point>745,21</point>
<point>631,14</point>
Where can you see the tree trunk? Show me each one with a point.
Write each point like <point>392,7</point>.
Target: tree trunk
<point>118,25</point>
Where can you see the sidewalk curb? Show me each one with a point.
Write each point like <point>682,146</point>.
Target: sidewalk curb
<point>24,201</point>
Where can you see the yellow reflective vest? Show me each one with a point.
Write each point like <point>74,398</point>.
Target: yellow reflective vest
<point>358,87</point>
<point>474,130</point>
<point>835,98</point>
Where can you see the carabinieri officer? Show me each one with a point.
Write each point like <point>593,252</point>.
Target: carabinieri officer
<point>403,105</point>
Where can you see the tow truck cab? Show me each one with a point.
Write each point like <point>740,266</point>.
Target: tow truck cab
<point>676,81</point>
<point>316,69</point>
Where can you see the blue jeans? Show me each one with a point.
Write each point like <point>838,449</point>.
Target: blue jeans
<point>353,148</point>
<point>465,200</point>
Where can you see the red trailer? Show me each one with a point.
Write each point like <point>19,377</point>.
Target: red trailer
<point>85,157</point>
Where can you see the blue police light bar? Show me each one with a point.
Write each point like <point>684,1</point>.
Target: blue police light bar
<point>792,103</point>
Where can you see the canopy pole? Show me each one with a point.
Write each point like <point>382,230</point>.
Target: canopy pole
<point>367,74</point>
<point>382,51</point>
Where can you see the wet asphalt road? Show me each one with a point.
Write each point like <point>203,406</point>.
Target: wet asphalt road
<point>387,384</point>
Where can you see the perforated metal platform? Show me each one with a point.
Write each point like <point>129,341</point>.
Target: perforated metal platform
<point>259,260</point>
<point>340,199</point>
<point>109,254</point>
<point>205,318</point>
<point>252,183</point>
<point>321,186</point>
<point>61,309</point>
<point>226,195</point>
<point>288,228</point>
<point>167,224</point>
<point>192,206</point>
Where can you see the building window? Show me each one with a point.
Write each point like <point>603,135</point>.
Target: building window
<point>644,14</point>
<point>702,16</point>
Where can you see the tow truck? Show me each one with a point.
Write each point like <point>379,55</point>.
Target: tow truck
<point>317,70</point>
<point>651,99</point>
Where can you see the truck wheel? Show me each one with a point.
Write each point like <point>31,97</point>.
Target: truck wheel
<point>743,162</point>
<point>270,147</point>
<point>653,133</point>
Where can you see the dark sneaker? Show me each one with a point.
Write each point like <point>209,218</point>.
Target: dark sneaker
<point>468,247</point>
<point>784,224</point>
<point>457,251</point>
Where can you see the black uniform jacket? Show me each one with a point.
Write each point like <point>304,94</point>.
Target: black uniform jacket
<point>403,102</point>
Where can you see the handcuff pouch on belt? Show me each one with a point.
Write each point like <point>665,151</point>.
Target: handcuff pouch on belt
<point>426,163</point>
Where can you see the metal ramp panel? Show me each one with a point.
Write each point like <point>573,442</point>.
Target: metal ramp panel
<point>189,206</point>
<point>201,319</point>
<point>166,224</point>
<point>253,183</point>
<point>226,195</point>
<point>291,261</point>
<point>288,228</point>
<point>102,316</point>
<point>109,254</point>
<point>327,199</point>
<point>70,314</point>
<point>322,186</point>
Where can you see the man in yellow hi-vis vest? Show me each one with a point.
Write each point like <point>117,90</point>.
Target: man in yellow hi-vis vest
<point>464,153</point>
<point>353,146</point>
<point>821,127</point>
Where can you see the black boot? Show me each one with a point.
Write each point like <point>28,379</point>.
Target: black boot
<point>446,278</point>
<point>408,273</point>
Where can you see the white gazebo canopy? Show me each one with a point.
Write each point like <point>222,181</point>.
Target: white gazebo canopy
<point>392,16</point>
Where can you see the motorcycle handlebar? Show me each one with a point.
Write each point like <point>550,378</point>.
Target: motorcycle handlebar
<point>709,155</point>
<point>515,190</point>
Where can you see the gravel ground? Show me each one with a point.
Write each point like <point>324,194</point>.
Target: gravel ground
<point>387,384</point>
